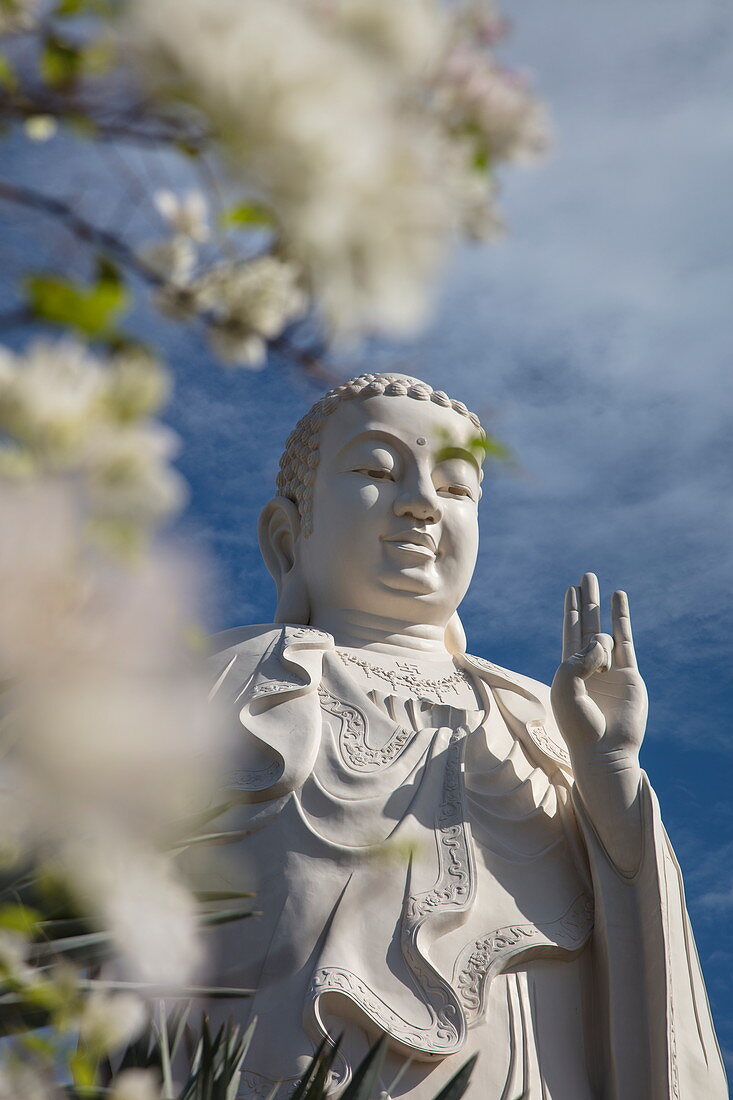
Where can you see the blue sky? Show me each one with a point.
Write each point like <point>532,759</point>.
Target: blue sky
<point>595,341</point>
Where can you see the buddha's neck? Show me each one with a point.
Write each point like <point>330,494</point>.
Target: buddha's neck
<point>360,630</point>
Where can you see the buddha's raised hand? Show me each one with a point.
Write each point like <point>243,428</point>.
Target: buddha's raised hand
<point>600,704</point>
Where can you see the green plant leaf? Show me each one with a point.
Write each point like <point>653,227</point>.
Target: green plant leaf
<point>90,310</point>
<point>60,62</point>
<point>366,1076</point>
<point>8,79</point>
<point>459,1082</point>
<point>19,918</point>
<point>224,916</point>
<point>244,214</point>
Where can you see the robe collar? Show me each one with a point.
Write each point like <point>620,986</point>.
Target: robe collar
<point>291,670</point>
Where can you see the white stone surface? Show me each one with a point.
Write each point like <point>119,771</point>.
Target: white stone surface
<point>443,850</point>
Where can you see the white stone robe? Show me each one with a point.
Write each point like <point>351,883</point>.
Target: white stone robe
<point>431,873</point>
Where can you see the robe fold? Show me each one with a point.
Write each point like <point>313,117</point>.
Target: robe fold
<point>431,873</point>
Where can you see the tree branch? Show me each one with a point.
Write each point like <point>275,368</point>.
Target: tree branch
<point>108,242</point>
<point>85,230</point>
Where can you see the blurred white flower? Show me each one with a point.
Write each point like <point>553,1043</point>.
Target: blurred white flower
<point>262,295</point>
<point>137,386</point>
<point>136,1084</point>
<point>67,412</point>
<point>13,955</point>
<point>50,398</point>
<point>172,259</point>
<point>231,345</point>
<point>111,1020</point>
<point>308,116</point>
<point>186,214</point>
<point>41,127</point>
<point>496,105</point>
<point>108,737</point>
<point>409,34</point>
<point>367,126</point>
<point>250,303</point>
<point>148,910</point>
<point>130,476</point>
<point>22,1081</point>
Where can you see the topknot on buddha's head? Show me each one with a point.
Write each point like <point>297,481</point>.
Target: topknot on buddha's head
<point>299,460</point>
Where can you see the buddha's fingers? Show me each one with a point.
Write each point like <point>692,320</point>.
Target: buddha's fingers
<point>590,607</point>
<point>624,655</point>
<point>571,624</point>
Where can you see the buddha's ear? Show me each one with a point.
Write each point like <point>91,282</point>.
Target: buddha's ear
<point>278,530</point>
<point>455,635</point>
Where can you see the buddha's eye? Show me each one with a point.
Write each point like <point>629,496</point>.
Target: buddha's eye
<point>377,472</point>
<point>456,491</point>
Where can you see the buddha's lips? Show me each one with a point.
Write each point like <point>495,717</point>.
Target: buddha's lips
<point>418,541</point>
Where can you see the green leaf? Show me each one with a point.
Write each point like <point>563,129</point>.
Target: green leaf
<point>481,159</point>
<point>223,895</point>
<point>325,1052</point>
<point>83,1070</point>
<point>87,948</point>
<point>81,124</point>
<point>19,918</point>
<point>245,214</point>
<point>8,79</point>
<point>97,58</point>
<point>224,916</point>
<point>459,1082</point>
<point>86,309</point>
<point>364,1081</point>
<point>60,62</point>
<point>68,9</point>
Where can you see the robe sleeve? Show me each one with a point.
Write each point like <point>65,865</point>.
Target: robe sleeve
<point>656,1035</point>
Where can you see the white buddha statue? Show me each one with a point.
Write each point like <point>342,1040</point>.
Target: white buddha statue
<point>443,851</point>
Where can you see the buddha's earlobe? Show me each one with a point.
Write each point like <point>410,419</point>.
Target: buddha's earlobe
<point>455,635</point>
<point>278,530</point>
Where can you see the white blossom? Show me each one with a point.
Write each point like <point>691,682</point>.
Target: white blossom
<point>262,295</point>
<point>137,386</point>
<point>41,127</point>
<point>141,901</point>
<point>13,956</point>
<point>186,214</point>
<point>475,92</point>
<point>111,1020</point>
<point>231,345</point>
<point>172,259</point>
<point>22,1081</point>
<point>409,34</point>
<point>136,1084</point>
<point>366,126</point>
<point>50,397</point>
<point>65,411</point>
<point>250,303</point>
<point>108,737</point>
<point>130,476</point>
<point>308,117</point>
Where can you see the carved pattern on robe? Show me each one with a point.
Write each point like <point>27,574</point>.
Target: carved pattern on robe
<point>483,957</point>
<point>355,750</point>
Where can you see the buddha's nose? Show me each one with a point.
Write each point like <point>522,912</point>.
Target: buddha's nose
<point>420,501</point>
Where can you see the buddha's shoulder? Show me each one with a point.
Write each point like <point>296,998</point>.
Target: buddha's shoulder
<point>246,645</point>
<point>517,680</point>
<point>244,648</point>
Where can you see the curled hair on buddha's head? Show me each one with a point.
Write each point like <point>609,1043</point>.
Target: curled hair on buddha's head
<point>299,460</point>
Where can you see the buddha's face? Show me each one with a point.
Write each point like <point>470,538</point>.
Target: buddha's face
<point>395,529</point>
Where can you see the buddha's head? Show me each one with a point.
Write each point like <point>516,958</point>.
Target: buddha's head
<point>376,506</point>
